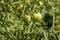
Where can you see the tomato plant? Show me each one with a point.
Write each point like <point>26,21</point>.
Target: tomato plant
<point>29,19</point>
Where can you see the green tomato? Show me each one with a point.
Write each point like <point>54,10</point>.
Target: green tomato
<point>2,1</point>
<point>20,6</point>
<point>37,16</point>
<point>41,3</point>
<point>28,18</point>
<point>11,28</point>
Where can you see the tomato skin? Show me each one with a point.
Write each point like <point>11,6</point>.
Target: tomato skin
<point>37,16</point>
<point>41,3</point>
<point>2,1</point>
<point>11,28</point>
<point>20,6</point>
<point>27,18</point>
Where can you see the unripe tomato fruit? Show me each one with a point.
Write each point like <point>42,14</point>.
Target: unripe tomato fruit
<point>2,1</point>
<point>20,6</point>
<point>37,16</point>
<point>11,28</point>
<point>41,3</point>
<point>27,18</point>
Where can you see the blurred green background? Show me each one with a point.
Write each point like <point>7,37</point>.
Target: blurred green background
<point>17,20</point>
